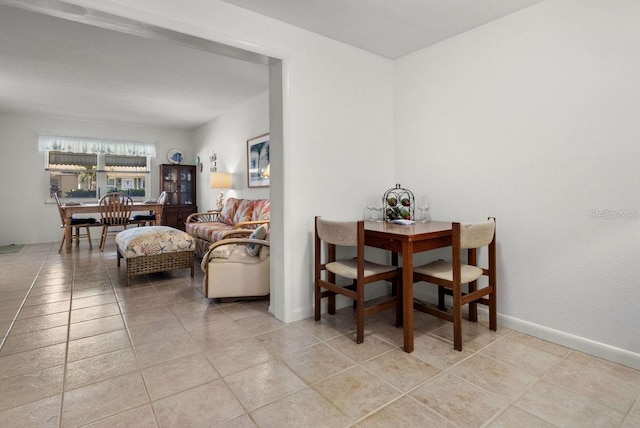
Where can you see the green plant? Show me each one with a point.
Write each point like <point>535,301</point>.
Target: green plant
<point>81,193</point>
<point>130,192</point>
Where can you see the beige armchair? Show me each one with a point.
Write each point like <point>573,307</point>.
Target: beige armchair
<point>232,273</point>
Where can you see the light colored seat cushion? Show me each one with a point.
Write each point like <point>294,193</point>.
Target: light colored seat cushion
<point>349,268</point>
<point>232,253</point>
<point>152,240</point>
<point>238,254</point>
<point>444,270</point>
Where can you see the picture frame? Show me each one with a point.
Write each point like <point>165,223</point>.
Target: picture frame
<point>258,161</point>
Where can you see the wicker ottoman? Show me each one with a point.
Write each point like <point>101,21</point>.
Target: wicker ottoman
<point>154,249</point>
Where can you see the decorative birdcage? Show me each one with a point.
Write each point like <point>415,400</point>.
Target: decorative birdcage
<point>399,204</point>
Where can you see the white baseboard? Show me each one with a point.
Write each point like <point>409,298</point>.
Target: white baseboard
<point>303,313</point>
<point>588,346</point>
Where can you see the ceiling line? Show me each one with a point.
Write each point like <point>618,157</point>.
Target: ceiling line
<point>79,14</point>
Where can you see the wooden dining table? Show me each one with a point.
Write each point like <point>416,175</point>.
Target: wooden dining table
<point>405,241</point>
<point>94,208</point>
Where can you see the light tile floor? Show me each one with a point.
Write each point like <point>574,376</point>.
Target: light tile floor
<point>84,350</point>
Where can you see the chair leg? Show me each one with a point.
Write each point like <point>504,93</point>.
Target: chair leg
<point>317,301</point>
<point>473,306</point>
<point>397,284</point>
<point>89,238</point>
<point>77,236</point>
<point>360,313</point>
<point>332,304</point>
<point>457,318</point>
<point>441,298</point>
<point>62,242</point>
<point>103,239</point>
<point>354,304</point>
<point>493,309</point>
<point>332,296</point>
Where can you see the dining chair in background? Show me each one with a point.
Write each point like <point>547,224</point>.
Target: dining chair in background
<point>76,224</point>
<point>329,235</point>
<point>150,219</point>
<point>450,275</point>
<point>115,211</point>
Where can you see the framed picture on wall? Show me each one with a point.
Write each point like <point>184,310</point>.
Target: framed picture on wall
<point>258,167</point>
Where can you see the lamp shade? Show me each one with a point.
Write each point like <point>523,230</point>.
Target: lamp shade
<point>267,171</point>
<point>220,180</point>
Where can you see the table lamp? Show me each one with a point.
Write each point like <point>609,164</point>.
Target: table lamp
<point>220,180</point>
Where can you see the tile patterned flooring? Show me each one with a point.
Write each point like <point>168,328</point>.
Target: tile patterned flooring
<point>85,350</point>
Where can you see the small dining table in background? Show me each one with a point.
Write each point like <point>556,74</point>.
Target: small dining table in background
<point>406,240</point>
<point>94,208</point>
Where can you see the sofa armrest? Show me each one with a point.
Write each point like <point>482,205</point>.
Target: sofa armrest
<point>244,224</point>
<point>208,217</point>
<point>236,233</point>
<point>231,241</point>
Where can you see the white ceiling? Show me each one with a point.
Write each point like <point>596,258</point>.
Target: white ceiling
<point>57,67</point>
<point>53,66</point>
<point>390,28</point>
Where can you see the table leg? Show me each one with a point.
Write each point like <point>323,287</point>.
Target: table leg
<point>407,295</point>
<point>158,217</point>
<point>68,233</point>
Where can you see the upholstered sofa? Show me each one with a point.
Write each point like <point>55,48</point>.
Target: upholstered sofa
<point>212,226</point>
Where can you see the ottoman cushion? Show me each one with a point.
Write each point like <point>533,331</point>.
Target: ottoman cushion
<point>152,240</point>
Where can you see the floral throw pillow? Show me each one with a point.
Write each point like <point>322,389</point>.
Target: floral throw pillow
<point>259,233</point>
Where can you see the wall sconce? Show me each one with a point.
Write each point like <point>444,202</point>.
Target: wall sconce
<point>213,160</point>
<point>220,180</point>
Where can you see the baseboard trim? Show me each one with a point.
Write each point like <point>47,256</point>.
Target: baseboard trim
<point>578,343</point>
<point>302,313</point>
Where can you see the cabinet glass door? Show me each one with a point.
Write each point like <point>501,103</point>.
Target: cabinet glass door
<point>186,187</point>
<point>170,185</point>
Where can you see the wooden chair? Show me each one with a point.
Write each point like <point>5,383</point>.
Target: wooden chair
<point>449,277</point>
<point>115,211</point>
<point>76,224</point>
<point>150,219</point>
<point>332,234</point>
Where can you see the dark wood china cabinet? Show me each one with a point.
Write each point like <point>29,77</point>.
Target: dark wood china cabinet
<point>179,181</point>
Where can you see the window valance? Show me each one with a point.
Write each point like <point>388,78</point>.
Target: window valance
<point>93,145</point>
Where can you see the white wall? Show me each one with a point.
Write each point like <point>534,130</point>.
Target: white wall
<point>338,136</point>
<point>227,135</point>
<point>534,119</point>
<point>27,219</point>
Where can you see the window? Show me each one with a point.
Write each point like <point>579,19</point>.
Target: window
<point>83,168</point>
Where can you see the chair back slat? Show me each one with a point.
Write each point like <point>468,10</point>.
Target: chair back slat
<point>60,210</point>
<point>341,233</point>
<point>115,208</point>
<point>476,235</point>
